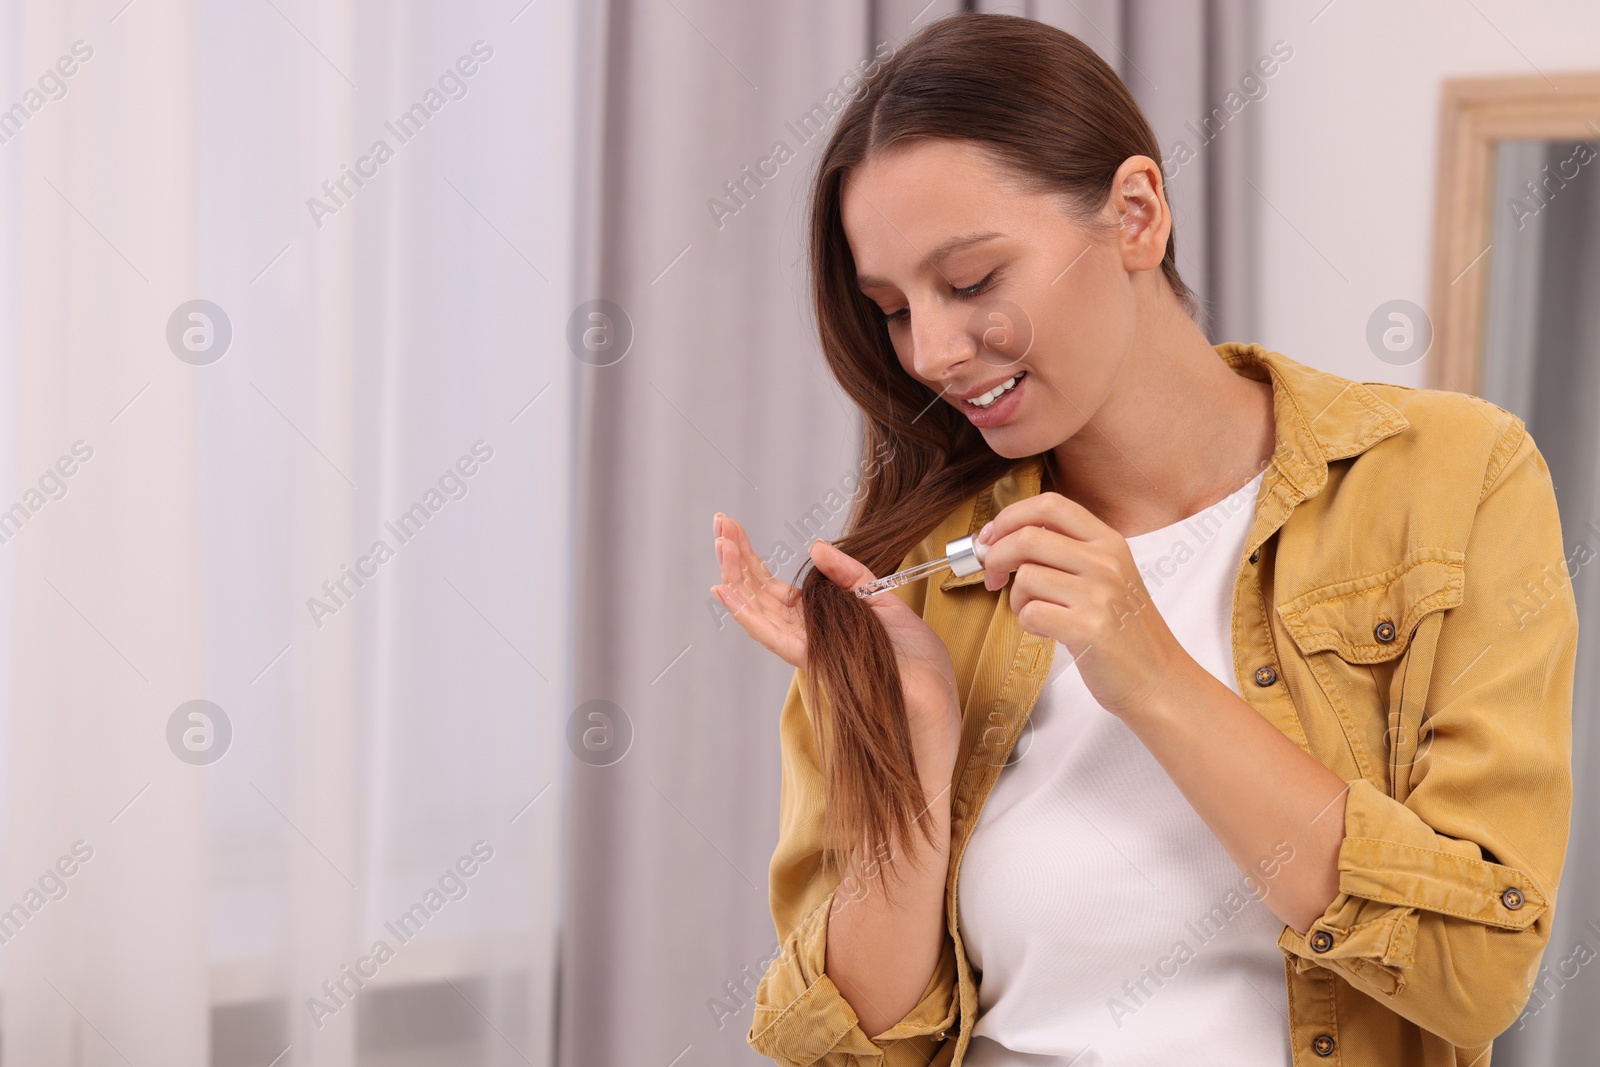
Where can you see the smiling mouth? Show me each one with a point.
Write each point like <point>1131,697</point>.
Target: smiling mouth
<point>983,400</point>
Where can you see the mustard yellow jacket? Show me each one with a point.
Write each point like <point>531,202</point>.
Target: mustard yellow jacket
<point>1403,612</point>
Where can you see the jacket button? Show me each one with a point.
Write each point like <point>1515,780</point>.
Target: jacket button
<point>1266,676</point>
<point>1322,1045</point>
<point>940,1036</point>
<point>1512,899</point>
<point>1384,631</point>
<point>1255,555</point>
<point>1321,941</point>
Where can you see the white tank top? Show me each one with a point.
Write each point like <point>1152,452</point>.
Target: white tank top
<point>1109,925</point>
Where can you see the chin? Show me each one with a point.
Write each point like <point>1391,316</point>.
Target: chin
<point>1018,441</point>
<point>1014,443</point>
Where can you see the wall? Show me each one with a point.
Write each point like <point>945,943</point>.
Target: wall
<point>1348,136</point>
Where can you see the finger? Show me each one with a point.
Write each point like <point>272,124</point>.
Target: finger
<point>1078,597</point>
<point>1047,619</point>
<point>1036,544</point>
<point>728,561</point>
<point>748,615</point>
<point>1050,510</point>
<point>1049,602</point>
<point>735,562</point>
<point>720,528</point>
<point>753,561</point>
<point>768,631</point>
<point>757,621</point>
<point>763,594</point>
<point>747,553</point>
<point>753,621</point>
<point>1034,582</point>
<point>843,570</point>
<point>745,571</point>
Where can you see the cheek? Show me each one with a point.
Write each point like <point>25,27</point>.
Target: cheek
<point>1088,331</point>
<point>1007,333</point>
<point>1079,358</point>
<point>1080,368</point>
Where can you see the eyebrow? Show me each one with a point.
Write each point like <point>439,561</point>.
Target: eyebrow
<point>937,256</point>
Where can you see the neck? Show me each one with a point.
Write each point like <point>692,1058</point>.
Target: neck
<point>1178,431</point>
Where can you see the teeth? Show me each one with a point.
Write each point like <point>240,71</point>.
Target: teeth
<point>994,394</point>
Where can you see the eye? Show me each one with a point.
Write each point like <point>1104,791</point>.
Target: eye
<point>973,290</point>
<point>966,294</point>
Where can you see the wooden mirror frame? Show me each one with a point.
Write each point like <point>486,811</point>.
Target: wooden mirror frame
<point>1475,114</point>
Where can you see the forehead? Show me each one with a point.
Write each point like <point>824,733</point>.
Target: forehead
<point>904,204</point>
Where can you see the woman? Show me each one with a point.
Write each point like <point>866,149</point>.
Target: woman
<point>1249,744</point>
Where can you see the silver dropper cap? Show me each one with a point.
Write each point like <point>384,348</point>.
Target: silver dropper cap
<point>966,555</point>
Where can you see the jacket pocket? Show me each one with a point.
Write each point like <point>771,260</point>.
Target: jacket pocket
<point>1354,635</point>
<point>1371,619</point>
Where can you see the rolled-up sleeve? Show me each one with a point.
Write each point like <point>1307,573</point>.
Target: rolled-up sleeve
<point>800,1016</point>
<point>1446,900</point>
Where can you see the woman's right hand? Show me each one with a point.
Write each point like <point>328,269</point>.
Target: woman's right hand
<point>769,611</point>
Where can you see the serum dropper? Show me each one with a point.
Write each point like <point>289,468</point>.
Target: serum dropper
<point>963,556</point>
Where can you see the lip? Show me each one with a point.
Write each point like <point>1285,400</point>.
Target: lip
<point>980,390</point>
<point>1001,410</point>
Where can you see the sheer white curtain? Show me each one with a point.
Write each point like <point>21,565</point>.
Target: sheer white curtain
<point>396,320</point>
<point>383,358</point>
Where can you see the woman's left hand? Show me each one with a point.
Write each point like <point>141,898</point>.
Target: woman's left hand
<point>1076,582</point>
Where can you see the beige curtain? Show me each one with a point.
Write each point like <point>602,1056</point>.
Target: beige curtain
<point>723,404</point>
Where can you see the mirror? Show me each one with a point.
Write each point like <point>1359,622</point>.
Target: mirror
<point>1495,135</point>
<point>1541,319</point>
<point>1516,275</point>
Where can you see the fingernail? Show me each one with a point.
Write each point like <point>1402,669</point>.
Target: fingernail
<point>983,534</point>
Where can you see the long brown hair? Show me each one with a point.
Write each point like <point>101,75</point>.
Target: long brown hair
<point>1043,103</point>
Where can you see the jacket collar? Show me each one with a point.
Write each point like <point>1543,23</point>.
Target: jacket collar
<point>1319,417</point>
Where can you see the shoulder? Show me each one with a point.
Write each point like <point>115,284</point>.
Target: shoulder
<point>1448,430</point>
<point>1384,436</point>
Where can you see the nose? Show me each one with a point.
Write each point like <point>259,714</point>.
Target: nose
<point>941,339</point>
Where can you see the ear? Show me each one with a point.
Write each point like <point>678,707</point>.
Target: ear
<point>1138,200</point>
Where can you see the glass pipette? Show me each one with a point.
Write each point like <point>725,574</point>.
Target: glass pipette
<point>963,556</point>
